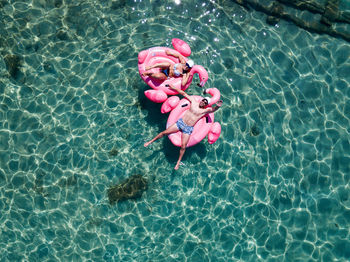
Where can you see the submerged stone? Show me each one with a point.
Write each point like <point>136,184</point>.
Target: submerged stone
<point>116,5</point>
<point>277,10</point>
<point>58,3</point>
<point>271,20</point>
<point>254,131</point>
<point>62,35</point>
<point>131,188</point>
<point>13,63</point>
<point>113,152</point>
<point>229,63</point>
<point>3,3</point>
<point>331,12</point>
<point>48,67</point>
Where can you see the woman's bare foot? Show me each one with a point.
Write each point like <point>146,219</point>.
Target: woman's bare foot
<point>177,166</point>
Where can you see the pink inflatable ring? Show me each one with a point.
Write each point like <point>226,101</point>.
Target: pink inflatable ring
<point>204,127</point>
<point>159,92</point>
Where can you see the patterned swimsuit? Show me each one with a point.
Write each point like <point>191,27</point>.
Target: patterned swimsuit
<point>183,127</point>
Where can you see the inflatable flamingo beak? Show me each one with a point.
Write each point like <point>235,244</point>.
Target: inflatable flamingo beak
<point>202,83</point>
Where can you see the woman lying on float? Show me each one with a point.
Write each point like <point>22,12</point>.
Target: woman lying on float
<point>162,66</point>
<point>168,70</point>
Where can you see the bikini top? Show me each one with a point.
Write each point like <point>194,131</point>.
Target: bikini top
<point>176,73</point>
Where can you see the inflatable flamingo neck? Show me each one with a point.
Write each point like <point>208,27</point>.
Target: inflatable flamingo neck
<point>215,93</point>
<point>202,73</point>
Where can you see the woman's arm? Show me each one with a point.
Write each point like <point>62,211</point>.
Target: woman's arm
<point>185,79</point>
<point>180,57</point>
<point>181,92</point>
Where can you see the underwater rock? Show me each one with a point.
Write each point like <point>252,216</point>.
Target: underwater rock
<point>331,10</point>
<point>308,5</point>
<point>58,3</point>
<point>276,9</point>
<point>131,188</point>
<point>312,6</point>
<point>254,131</point>
<point>38,186</point>
<point>62,35</point>
<point>94,222</point>
<point>271,20</point>
<point>113,152</point>
<point>116,5</point>
<point>48,67</point>
<point>3,3</point>
<point>13,63</point>
<point>228,63</point>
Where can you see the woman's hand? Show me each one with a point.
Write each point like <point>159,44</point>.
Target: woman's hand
<point>171,87</point>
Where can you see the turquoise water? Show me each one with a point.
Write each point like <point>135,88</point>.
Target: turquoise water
<point>274,187</point>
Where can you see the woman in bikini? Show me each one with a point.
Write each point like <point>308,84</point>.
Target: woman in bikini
<point>169,70</point>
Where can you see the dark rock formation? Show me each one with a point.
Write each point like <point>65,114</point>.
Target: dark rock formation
<point>113,152</point>
<point>13,64</point>
<point>62,35</point>
<point>254,131</point>
<point>314,7</point>
<point>329,12</point>
<point>131,188</point>
<point>276,9</point>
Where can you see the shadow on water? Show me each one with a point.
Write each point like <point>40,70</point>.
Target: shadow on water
<point>154,117</point>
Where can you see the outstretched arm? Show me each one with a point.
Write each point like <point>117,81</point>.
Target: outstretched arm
<point>180,57</point>
<point>215,108</point>
<point>181,92</point>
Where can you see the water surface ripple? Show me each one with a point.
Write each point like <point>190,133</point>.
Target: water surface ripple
<point>73,120</point>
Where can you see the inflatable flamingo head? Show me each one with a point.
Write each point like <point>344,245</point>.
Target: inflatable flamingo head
<point>202,73</point>
<point>215,95</point>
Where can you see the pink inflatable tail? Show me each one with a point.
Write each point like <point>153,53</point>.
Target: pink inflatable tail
<point>214,133</point>
<point>142,56</point>
<point>181,46</point>
<point>170,104</point>
<point>157,96</point>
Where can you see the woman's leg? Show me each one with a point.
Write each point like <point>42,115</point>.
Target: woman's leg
<point>159,75</point>
<point>159,65</point>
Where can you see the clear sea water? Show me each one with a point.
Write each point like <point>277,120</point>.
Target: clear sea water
<point>274,187</point>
